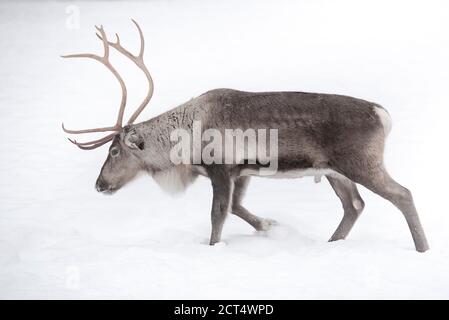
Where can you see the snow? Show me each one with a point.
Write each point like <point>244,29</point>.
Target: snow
<point>59,238</point>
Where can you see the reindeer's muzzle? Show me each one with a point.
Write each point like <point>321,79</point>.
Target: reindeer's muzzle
<point>103,187</point>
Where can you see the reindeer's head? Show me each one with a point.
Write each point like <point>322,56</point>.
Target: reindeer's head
<point>123,162</point>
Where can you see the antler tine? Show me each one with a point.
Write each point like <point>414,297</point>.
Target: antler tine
<point>105,42</point>
<point>105,61</point>
<point>93,144</point>
<point>138,60</point>
<point>142,40</point>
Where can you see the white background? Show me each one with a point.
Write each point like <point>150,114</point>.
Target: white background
<point>59,238</point>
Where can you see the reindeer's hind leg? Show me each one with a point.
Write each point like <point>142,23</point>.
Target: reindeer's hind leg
<point>377,179</point>
<point>352,203</point>
<point>260,224</point>
<point>382,184</point>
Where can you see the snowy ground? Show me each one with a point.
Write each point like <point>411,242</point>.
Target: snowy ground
<point>59,238</point>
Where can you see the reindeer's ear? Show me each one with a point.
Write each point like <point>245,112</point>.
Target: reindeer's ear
<point>133,139</point>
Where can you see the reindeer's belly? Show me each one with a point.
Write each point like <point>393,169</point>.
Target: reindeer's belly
<point>291,174</point>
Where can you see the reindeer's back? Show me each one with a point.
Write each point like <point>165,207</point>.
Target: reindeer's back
<point>312,127</point>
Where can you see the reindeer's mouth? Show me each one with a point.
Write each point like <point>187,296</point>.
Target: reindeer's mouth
<point>108,191</point>
<point>105,189</point>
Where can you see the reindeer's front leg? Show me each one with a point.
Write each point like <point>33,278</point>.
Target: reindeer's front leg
<point>222,186</point>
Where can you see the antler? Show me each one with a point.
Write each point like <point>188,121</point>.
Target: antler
<point>118,125</point>
<point>138,60</point>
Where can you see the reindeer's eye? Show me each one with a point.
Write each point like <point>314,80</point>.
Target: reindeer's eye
<point>114,152</point>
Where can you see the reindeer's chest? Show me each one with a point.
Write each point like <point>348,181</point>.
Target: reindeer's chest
<point>174,180</point>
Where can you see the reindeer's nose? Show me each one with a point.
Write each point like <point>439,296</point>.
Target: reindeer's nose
<point>101,186</point>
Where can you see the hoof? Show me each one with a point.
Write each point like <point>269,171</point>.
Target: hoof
<point>219,244</point>
<point>423,248</point>
<point>333,239</point>
<point>267,224</point>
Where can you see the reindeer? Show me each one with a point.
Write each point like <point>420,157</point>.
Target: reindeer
<point>337,136</point>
